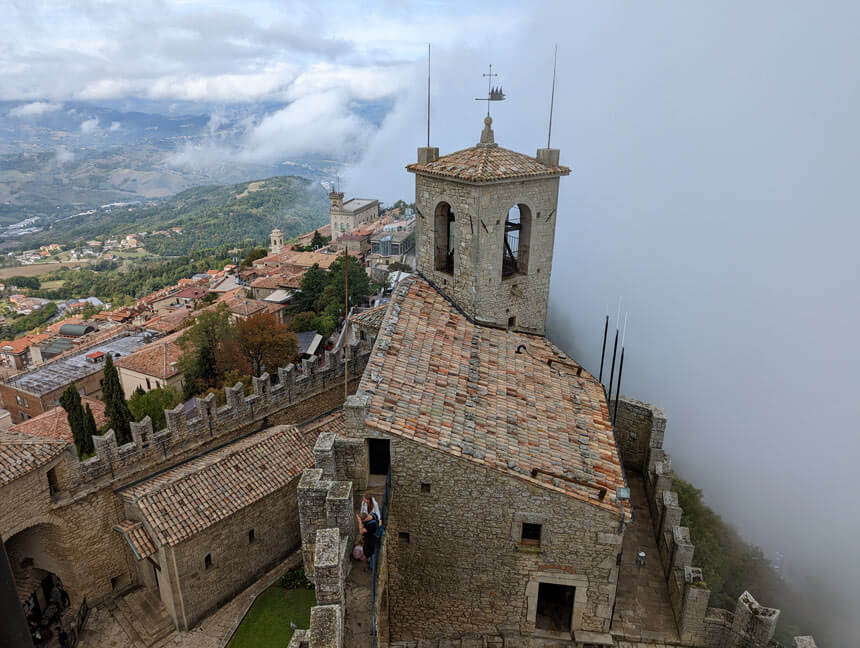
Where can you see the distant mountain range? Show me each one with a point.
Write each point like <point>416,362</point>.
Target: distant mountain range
<point>209,217</point>
<point>59,159</point>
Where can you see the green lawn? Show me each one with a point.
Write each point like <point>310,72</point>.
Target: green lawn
<point>267,624</point>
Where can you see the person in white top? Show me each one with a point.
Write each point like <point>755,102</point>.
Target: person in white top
<point>370,505</point>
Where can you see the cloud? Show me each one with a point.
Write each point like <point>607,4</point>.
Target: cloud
<point>114,126</point>
<point>90,126</point>
<point>63,155</point>
<point>34,109</point>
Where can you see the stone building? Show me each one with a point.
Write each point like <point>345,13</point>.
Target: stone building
<point>36,391</point>
<point>346,216</point>
<point>486,229</point>
<point>206,529</point>
<point>151,367</point>
<point>276,241</point>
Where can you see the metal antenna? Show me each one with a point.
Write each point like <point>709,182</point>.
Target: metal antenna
<point>620,369</point>
<point>552,96</point>
<point>614,351</point>
<point>603,350</point>
<point>428,95</point>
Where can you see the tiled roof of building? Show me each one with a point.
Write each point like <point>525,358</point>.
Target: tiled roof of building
<point>442,381</point>
<point>159,359</point>
<point>186,499</point>
<point>21,453</point>
<point>168,322</point>
<point>138,539</point>
<point>487,162</point>
<point>54,424</point>
<point>370,318</point>
<point>245,306</point>
<point>20,345</point>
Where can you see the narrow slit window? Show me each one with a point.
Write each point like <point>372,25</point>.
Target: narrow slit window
<point>207,561</point>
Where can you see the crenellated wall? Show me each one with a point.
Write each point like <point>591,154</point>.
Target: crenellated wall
<point>93,557</point>
<point>639,431</point>
<point>187,433</point>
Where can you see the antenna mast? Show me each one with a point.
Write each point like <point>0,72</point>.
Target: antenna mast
<point>428,95</point>
<point>552,96</point>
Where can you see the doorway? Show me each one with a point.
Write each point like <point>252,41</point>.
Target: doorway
<point>555,607</point>
<point>379,454</point>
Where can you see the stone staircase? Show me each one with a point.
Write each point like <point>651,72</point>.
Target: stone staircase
<point>143,618</point>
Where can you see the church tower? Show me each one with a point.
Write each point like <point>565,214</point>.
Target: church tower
<point>486,229</point>
<point>276,239</point>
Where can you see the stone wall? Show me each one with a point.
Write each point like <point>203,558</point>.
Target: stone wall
<point>453,553</point>
<point>93,558</point>
<point>236,562</point>
<point>480,211</point>
<point>639,432</point>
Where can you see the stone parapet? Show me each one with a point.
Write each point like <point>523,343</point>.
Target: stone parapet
<point>148,450</point>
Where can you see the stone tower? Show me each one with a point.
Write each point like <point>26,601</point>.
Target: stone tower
<point>276,239</point>
<point>486,229</point>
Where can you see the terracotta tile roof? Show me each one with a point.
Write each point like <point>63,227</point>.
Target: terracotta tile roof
<point>178,503</point>
<point>370,318</point>
<point>21,453</point>
<point>54,424</point>
<point>168,322</point>
<point>438,379</point>
<point>487,164</point>
<point>159,359</point>
<point>138,539</point>
<point>23,343</point>
<point>246,306</point>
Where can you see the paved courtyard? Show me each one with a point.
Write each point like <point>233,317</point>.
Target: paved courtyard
<point>642,607</point>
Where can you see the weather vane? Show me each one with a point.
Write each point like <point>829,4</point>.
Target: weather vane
<point>493,94</point>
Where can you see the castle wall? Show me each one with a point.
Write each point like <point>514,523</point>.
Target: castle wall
<point>85,509</point>
<point>480,212</point>
<point>236,563</point>
<point>462,569</point>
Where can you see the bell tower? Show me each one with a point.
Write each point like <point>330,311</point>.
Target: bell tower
<point>276,240</point>
<point>486,229</point>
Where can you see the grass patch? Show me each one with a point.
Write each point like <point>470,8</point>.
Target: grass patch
<point>267,624</point>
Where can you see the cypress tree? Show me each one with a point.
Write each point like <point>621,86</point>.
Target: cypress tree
<point>90,429</point>
<point>71,402</point>
<point>116,408</point>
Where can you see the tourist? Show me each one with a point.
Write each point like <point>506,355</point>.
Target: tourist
<point>370,505</point>
<point>368,526</point>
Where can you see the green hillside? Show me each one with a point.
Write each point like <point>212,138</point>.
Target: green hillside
<point>210,217</point>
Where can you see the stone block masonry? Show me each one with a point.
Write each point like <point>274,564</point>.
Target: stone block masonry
<point>80,508</point>
<point>639,431</point>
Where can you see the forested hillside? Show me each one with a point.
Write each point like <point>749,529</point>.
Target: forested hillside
<point>209,217</point>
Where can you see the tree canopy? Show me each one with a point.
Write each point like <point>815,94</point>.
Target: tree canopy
<point>70,400</point>
<point>116,407</point>
<point>265,343</point>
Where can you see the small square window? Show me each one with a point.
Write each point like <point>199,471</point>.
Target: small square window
<point>531,534</point>
<point>207,561</point>
<point>403,536</point>
<point>425,487</point>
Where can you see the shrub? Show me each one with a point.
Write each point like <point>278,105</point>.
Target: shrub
<point>295,579</point>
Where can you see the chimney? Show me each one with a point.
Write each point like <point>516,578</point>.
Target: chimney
<point>548,157</point>
<point>427,154</point>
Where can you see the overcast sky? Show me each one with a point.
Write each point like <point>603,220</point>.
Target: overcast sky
<point>714,149</point>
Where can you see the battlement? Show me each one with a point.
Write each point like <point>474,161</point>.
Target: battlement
<point>640,430</point>
<point>206,423</point>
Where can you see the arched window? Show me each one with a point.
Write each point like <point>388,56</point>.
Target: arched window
<point>515,248</point>
<point>444,232</point>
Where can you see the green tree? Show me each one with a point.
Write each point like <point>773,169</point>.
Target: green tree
<point>266,343</point>
<point>253,255</point>
<point>152,404</point>
<point>199,344</point>
<point>90,429</point>
<point>313,284</point>
<point>359,286</point>
<point>31,283</point>
<point>319,240</point>
<point>71,402</point>
<point>116,408</point>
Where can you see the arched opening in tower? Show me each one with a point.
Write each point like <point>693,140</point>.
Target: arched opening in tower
<point>515,246</point>
<point>444,238</point>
